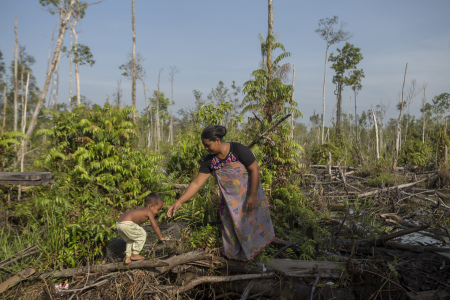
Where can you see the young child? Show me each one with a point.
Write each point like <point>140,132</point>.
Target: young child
<point>133,234</point>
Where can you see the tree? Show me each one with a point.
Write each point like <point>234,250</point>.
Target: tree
<point>173,71</point>
<point>397,133</point>
<point>65,16</point>
<point>133,89</point>
<point>330,36</point>
<point>356,87</point>
<point>347,59</point>
<point>16,82</point>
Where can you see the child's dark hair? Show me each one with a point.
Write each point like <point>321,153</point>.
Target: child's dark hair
<point>214,132</point>
<point>153,199</point>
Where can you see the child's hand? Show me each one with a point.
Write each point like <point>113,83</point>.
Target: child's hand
<point>165,239</point>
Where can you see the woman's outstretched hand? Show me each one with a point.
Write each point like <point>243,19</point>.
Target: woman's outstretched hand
<point>173,209</point>
<point>252,202</point>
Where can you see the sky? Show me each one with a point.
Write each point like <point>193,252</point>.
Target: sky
<point>211,41</point>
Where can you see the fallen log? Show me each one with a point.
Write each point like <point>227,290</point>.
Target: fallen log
<point>416,248</point>
<point>383,239</point>
<point>440,204</point>
<point>173,291</point>
<point>16,279</point>
<point>106,268</point>
<point>401,186</point>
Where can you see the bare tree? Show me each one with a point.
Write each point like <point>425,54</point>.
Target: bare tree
<point>424,102</point>
<point>377,151</point>
<point>331,37</point>
<point>412,93</point>
<point>118,94</point>
<point>64,21</point>
<point>292,95</point>
<point>16,79</point>
<point>5,99</point>
<point>133,89</point>
<point>270,39</point>
<point>397,137</point>
<point>158,125</point>
<point>173,71</point>
<point>75,52</point>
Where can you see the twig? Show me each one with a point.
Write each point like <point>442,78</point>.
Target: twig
<point>84,288</point>
<point>314,286</point>
<point>382,240</point>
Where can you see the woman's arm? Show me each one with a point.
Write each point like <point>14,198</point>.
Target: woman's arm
<point>192,189</point>
<point>252,199</point>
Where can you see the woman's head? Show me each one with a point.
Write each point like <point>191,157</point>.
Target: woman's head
<point>214,132</point>
<point>212,138</point>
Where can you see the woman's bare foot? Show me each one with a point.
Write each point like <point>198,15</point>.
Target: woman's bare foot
<point>136,257</point>
<point>127,260</point>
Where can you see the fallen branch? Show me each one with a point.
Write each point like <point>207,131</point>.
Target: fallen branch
<point>24,253</point>
<point>16,279</point>
<point>268,130</point>
<point>211,279</point>
<point>401,186</point>
<point>107,268</point>
<point>441,203</point>
<point>382,240</point>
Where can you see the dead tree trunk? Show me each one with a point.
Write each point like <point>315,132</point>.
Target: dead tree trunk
<point>5,99</point>
<point>292,96</point>
<point>62,31</point>
<point>16,80</point>
<point>397,140</point>
<point>377,151</point>
<point>75,50</point>
<point>133,88</point>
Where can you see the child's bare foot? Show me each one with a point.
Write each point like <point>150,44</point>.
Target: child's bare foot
<point>127,260</point>
<point>136,257</point>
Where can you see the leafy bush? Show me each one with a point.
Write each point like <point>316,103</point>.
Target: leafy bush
<point>416,154</point>
<point>98,172</point>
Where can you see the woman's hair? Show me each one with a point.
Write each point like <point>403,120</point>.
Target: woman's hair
<point>214,132</point>
<point>153,199</point>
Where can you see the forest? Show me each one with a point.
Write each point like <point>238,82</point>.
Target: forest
<point>360,203</point>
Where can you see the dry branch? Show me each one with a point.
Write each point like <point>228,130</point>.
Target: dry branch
<point>212,279</point>
<point>382,240</point>
<point>16,279</point>
<point>107,268</point>
<point>24,253</point>
<point>268,130</point>
<point>401,186</point>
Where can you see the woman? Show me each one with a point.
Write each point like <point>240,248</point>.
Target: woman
<point>246,223</point>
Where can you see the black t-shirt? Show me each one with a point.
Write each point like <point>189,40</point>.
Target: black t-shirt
<point>241,152</point>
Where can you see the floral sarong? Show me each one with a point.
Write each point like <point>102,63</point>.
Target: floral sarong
<point>244,233</point>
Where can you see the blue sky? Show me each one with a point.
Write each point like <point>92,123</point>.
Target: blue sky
<point>212,41</point>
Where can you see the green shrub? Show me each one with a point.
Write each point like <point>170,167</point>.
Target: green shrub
<point>416,154</point>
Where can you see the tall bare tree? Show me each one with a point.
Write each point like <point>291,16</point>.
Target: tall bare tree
<point>397,137</point>
<point>63,26</point>
<point>292,117</point>
<point>330,36</point>
<point>424,102</point>
<point>173,71</point>
<point>158,125</point>
<point>270,39</point>
<point>16,79</point>
<point>133,89</point>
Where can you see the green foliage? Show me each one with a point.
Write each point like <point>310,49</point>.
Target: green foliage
<point>339,149</point>
<point>384,179</point>
<point>204,237</point>
<point>416,154</point>
<point>98,172</point>
<point>8,148</point>
<point>186,156</point>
